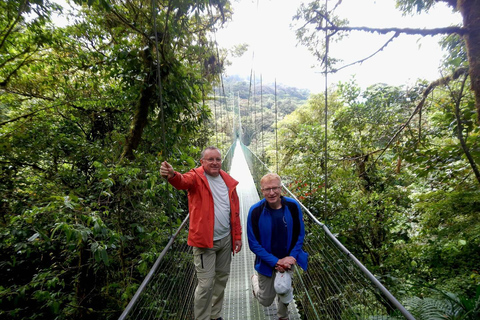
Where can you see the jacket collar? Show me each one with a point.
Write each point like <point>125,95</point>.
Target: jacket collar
<point>229,181</point>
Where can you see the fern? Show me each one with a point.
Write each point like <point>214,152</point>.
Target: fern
<point>429,309</point>
<point>451,307</point>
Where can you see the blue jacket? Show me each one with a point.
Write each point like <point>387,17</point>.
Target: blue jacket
<point>259,231</point>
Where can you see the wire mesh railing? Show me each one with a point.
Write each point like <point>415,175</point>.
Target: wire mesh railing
<point>257,167</point>
<point>227,158</point>
<point>335,287</point>
<point>167,290</point>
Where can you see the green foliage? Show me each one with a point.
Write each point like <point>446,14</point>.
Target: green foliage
<point>415,5</point>
<point>447,243</point>
<point>101,233</point>
<point>84,211</point>
<point>80,225</point>
<point>445,305</point>
<point>310,18</point>
<point>407,209</point>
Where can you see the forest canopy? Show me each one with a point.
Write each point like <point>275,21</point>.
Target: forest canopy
<point>89,110</point>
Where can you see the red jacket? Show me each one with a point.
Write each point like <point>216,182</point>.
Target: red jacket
<point>201,208</point>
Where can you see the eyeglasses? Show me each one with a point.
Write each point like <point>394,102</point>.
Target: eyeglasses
<point>213,160</point>
<point>274,189</point>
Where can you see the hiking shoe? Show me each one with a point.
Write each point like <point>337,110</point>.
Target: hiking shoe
<point>254,280</point>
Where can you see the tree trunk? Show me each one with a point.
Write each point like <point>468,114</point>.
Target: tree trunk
<point>470,10</point>
<point>460,137</point>
<point>360,163</point>
<point>84,282</point>
<point>141,111</point>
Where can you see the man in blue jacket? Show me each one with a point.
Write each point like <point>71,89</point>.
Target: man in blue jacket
<point>276,232</point>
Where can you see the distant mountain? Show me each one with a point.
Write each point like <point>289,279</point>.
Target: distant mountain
<point>259,104</point>
<point>246,88</point>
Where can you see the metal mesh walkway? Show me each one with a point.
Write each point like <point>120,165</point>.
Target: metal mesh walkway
<point>239,301</point>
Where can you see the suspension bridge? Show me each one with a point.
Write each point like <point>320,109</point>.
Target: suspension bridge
<point>335,286</point>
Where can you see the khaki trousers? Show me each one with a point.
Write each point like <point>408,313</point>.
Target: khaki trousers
<point>213,268</point>
<point>265,293</point>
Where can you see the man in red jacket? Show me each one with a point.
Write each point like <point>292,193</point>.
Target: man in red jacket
<point>215,229</point>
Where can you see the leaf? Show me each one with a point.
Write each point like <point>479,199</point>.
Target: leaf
<point>34,237</point>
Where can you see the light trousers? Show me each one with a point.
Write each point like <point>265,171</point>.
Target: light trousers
<point>213,269</point>
<point>265,293</point>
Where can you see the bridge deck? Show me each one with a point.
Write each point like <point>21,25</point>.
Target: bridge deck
<point>239,301</point>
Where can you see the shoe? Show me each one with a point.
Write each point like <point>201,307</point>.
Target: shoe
<point>254,282</point>
<point>283,318</point>
<point>221,319</point>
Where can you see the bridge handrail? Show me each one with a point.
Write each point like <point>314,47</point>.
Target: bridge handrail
<point>375,281</point>
<point>229,149</point>
<point>152,271</point>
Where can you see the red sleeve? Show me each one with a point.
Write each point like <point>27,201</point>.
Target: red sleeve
<point>183,181</point>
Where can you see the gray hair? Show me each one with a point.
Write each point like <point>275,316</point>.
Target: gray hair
<point>209,148</point>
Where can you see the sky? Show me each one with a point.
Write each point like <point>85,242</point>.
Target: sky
<point>274,53</point>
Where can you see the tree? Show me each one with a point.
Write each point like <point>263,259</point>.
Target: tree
<point>316,14</point>
<point>84,211</point>
<point>470,10</point>
<point>401,189</point>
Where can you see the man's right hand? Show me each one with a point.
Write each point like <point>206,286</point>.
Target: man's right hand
<point>166,170</point>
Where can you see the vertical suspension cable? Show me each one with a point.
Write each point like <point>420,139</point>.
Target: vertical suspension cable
<point>226,109</point>
<point>215,115</point>
<point>160,104</point>
<point>326,114</point>
<point>250,89</point>
<point>276,128</point>
<point>240,129</point>
<point>159,80</point>
<point>254,115</point>
<point>223,88</point>
<point>136,296</point>
<point>232,96</point>
<point>261,110</point>
<point>222,103</point>
<point>205,121</point>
